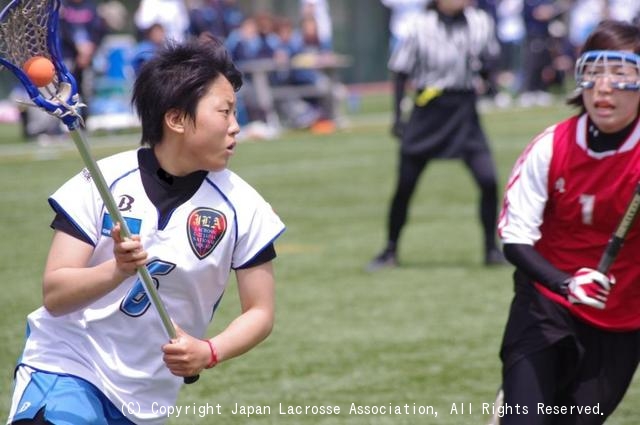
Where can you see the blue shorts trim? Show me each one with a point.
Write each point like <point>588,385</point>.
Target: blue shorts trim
<point>67,400</point>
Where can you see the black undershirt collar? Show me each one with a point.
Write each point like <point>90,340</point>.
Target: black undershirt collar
<point>167,192</point>
<point>599,141</point>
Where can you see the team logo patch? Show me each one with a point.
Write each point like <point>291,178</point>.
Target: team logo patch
<point>205,228</point>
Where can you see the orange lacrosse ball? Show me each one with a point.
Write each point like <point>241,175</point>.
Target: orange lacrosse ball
<point>40,70</point>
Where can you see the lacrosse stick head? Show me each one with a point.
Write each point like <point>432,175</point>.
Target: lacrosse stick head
<point>622,69</point>
<point>29,28</point>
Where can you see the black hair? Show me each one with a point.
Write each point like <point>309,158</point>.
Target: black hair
<point>177,77</point>
<point>609,35</point>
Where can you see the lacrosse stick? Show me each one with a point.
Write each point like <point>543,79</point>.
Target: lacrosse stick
<point>617,239</point>
<point>29,28</point>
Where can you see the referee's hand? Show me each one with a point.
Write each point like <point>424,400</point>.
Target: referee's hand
<point>397,129</point>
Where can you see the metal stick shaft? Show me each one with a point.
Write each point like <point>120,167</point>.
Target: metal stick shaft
<point>112,208</point>
<point>617,239</point>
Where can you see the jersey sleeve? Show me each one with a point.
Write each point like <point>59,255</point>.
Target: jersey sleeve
<point>491,50</point>
<point>258,226</point>
<point>526,194</point>
<point>79,202</point>
<point>404,56</point>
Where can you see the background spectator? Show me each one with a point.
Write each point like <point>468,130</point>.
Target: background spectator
<point>624,10</point>
<point>254,39</point>
<point>510,31</point>
<point>584,16</point>
<point>217,17</point>
<point>538,72</point>
<point>319,10</point>
<point>171,14</point>
<point>153,38</point>
<point>81,32</point>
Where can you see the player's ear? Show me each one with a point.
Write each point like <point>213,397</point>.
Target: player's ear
<point>175,120</point>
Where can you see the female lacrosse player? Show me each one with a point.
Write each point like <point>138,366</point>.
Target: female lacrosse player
<point>571,343</point>
<point>96,352</point>
<point>443,53</point>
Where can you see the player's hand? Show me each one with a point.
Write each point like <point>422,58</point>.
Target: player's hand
<point>128,253</point>
<point>186,355</point>
<point>398,128</point>
<point>590,287</point>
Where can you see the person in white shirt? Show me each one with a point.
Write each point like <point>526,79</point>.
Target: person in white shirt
<point>97,346</point>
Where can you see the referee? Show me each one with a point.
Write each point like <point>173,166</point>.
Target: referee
<point>449,46</point>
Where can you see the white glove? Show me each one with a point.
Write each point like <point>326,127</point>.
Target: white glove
<point>589,287</point>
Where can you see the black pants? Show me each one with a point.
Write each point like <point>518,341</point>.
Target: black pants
<point>553,360</point>
<point>482,168</point>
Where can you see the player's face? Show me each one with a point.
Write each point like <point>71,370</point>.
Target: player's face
<point>210,142</point>
<point>611,109</point>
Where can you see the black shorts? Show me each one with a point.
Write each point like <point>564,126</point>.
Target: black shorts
<point>448,127</point>
<point>551,357</point>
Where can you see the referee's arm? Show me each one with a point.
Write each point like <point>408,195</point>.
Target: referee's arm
<point>399,87</point>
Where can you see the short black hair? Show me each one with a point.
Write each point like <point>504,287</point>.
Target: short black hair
<point>177,77</point>
<point>609,35</point>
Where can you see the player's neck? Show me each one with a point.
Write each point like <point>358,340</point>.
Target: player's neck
<point>599,141</point>
<point>168,159</point>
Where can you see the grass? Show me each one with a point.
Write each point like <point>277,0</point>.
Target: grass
<point>425,334</point>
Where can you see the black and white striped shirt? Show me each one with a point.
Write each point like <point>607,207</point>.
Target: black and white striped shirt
<point>446,55</point>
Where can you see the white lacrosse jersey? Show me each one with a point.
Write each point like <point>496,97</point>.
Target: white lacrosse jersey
<point>115,343</point>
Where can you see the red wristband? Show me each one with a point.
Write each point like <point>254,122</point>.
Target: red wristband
<point>214,354</point>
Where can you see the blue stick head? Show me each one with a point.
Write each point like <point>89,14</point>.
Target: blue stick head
<point>29,28</point>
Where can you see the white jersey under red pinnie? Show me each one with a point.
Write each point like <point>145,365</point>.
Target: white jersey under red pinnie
<point>566,201</point>
<point>115,342</point>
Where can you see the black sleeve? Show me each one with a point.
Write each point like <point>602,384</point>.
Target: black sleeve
<point>264,256</point>
<point>61,222</point>
<point>400,83</point>
<point>534,265</point>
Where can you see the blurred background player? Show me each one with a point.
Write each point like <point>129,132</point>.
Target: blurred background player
<point>572,337</point>
<point>442,54</point>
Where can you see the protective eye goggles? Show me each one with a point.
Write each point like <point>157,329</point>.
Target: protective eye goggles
<point>621,69</point>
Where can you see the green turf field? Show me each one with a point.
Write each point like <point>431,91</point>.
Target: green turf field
<point>425,335</point>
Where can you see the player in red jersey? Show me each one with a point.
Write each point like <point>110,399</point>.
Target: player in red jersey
<point>572,341</point>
